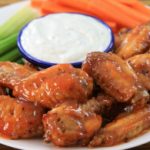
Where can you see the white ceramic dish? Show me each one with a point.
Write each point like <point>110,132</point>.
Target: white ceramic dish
<point>28,44</point>
<point>38,144</point>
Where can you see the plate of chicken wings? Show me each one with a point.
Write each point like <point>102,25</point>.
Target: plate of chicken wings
<point>102,105</point>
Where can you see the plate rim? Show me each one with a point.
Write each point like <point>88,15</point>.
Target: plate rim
<point>117,147</point>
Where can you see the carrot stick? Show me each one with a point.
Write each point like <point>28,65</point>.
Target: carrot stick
<point>127,2</point>
<point>53,7</point>
<point>141,8</point>
<point>123,9</point>
<point>113,25</point>
<point>101,10</point>
<point>36,3</point>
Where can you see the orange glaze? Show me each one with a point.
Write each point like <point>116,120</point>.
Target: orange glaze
<point>115,77</point>
<point>123,128</point>
<point>20,119</point>
<point>69,124</point>
<point>12,73</point>
<point>141,65</point>
<point>137,41</point>
<point>55,85</point>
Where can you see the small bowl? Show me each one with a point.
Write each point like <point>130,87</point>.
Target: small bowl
<point>45,64</point>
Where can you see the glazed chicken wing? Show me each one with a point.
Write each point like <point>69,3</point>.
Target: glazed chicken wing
<point>120,36</point>
<point>114,76</point>
<point>123,129</point>
<point>55,85</point>
<point>20,119</point>
<point>68,125</point>
<point>141,65</point>
<point>100,104</point>
<point>12,73</point>
<point>136,42</point>
<point>74,124</point>
<point>2,91</point>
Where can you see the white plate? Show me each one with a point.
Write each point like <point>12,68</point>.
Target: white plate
<point>38,144</point>
<point>8,11</point>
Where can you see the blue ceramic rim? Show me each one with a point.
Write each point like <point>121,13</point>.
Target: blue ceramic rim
<point>45,64</point>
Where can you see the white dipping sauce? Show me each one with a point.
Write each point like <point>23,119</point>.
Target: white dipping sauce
<point>64,38</point>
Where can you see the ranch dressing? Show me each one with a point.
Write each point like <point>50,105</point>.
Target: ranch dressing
<point>64,37</point>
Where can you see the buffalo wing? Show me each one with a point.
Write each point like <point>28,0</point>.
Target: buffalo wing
<point>55,85</point>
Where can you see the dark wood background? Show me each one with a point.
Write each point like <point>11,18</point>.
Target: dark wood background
<point>2,147</point>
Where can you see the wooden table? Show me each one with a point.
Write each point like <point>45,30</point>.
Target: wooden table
<point>2,147</point>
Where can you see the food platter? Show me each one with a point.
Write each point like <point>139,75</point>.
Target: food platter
<point>31,144</point>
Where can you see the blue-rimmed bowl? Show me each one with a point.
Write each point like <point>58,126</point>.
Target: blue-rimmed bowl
<point>45,64</point>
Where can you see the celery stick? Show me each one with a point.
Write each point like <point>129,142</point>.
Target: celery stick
<point>19,61</point>
<point>8,43</point>
<point>13,55</point>
<point>17,21</point>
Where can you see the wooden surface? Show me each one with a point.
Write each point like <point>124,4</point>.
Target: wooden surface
<point>2,147</point>
<point>6,2</point>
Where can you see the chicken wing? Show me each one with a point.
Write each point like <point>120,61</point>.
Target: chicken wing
<point>136,42</point>
<point>141,65</point>
<point>73,124</point>
<point>115,77</point>
<point>12,73</point>
<point>123,129</point>
<point>19,119</point>
<point>120,36</point>
<point>2,91</point>
<point>55,85</point>
<point>100,104</point>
